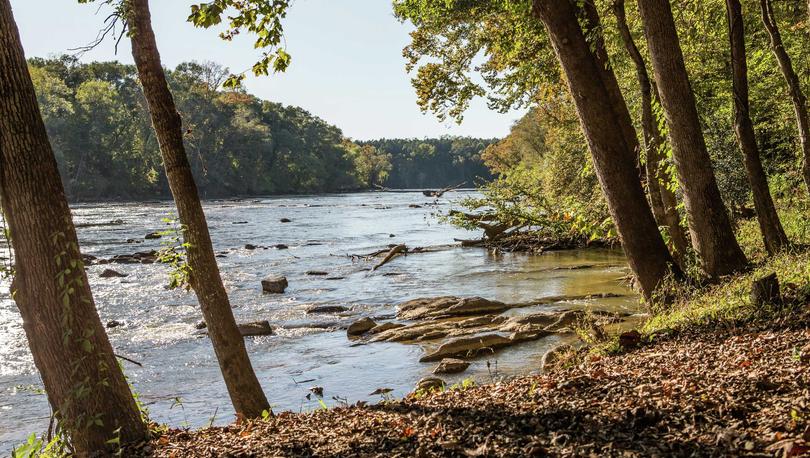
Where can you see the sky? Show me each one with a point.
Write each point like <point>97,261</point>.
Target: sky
<point>347,63</point>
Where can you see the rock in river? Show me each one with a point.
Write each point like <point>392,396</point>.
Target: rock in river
<point>448,306</point>
<point>385,327</point>
<point>361,326</point>
<point>327,309</point>
<point>451,366</point>
<point>274,284</point>
<point>258,328</point>
<point>467,346</point>
<point>109,273</point>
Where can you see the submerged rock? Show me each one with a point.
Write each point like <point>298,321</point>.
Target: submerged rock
<point>200,325</point>
<point>258,328</point>
<point>153,235</point>
<point>141,257</point>
<point>275,284</point>
<point>109,273</point>
<point>285,220</point>
<point>317,273</point>
<point>361,326</point>
<point>114,324</point>
<point>327,309</point>
<point>451,366</point>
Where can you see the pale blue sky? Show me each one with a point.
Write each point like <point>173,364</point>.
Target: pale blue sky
<point>347,62</point>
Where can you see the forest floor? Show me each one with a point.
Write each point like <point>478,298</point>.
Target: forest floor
<point>712,376</point>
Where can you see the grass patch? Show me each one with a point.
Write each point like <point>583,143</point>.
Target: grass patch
<point>729,303</point>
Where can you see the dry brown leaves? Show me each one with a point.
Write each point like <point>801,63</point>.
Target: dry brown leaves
<point>725,393</point>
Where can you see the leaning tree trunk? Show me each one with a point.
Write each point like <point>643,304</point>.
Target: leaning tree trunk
<point>772,232</point>
<point>614,159</point>
<point>244,389</point>
<point>662,199</point>
<point>85,386</point>
<point>794,86</point>
<point>712,235</point>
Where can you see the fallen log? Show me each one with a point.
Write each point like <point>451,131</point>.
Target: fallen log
<point>394,252</point>
<point>440,192</point>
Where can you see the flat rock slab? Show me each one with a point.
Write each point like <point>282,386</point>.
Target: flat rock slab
<point>448,306</point>
<point>327,309</point>
<point>467,346</point>
<point>253,329</point>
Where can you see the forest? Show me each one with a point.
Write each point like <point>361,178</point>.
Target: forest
<point>639,284</point>
<point>238,145</point>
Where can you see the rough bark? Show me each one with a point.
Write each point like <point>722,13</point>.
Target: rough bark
<point>244,389</point>
<point>772,232</point>
<point>662,199</point>
<point>614,159</point>
<point>794,86</point>
<point>710,228</point>
<point>85,386</point>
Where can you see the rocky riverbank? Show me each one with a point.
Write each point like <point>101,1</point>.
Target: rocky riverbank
<point>722,392</point>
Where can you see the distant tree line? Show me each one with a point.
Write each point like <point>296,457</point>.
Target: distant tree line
<point>98,121</point>
<point>433,163</point>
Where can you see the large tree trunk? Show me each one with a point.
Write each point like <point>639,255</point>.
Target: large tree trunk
<point>794,86</point>
<point>244,389</point>
<point>85,386</point>
<point>662,199</point>
<point>712,235</point>
<point>772,232</point>
<point>614,159</point>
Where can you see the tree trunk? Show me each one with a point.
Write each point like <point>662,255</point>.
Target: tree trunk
<point>614,159</point>
<point>772,232</point>
<point>244,389</point>
<point>712,235</point>
<point>85,386</point>
<point>662,199</point>
<point>794,86</point>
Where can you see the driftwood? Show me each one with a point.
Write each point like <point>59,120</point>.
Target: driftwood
<point>440,192</point>
<point>394,252</point>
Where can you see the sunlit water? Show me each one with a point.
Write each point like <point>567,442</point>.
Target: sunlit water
<point>159,324</point>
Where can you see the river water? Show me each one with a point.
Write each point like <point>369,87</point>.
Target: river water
<point>159,324</point>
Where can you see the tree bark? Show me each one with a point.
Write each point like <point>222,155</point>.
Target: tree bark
<point>614,159</point>
<point>710,228</point>
<point>794,86</point>
<point>244,389</point>
<point>85,385</point>
<point>772,232</point>
<point>663,200</point>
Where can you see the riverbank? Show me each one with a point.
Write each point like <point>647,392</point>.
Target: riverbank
<point>714,376</point>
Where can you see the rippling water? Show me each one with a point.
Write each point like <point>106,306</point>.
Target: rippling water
<point>159,324</point>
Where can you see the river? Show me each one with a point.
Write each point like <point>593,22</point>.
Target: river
<point>180,381</point>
